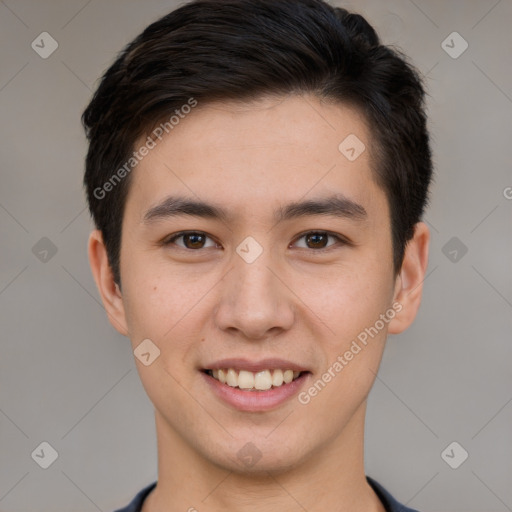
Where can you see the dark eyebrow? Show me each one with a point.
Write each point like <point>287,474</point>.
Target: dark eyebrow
<point>173,206</point>
<point>335,205</point>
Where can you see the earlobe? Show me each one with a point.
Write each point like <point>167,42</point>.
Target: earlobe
<point>107,287</point>
<point>409,282</point>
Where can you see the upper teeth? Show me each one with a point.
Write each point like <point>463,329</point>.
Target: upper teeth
<point>261,380</point>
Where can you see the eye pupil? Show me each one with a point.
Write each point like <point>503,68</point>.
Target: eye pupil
<point>197,240</point>
<point>315,239</point>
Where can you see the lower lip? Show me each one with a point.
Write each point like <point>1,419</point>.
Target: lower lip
<point>254,401</point>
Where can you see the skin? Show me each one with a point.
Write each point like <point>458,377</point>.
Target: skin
<point>294,302</point>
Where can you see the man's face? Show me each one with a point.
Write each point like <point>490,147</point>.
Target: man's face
<point>210,300</point>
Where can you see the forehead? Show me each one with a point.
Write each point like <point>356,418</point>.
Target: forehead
<point>248,155</point>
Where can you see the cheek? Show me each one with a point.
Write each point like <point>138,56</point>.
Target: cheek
<point>147,296</point>
<point>153,309</point>
<point>351,307</point>
<point>350,301</point>
<point>150,303</point>
<point>162,303</point>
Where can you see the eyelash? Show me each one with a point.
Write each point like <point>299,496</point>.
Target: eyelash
<point>341,240</point>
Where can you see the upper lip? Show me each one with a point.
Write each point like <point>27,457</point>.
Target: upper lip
<point>256,366</point>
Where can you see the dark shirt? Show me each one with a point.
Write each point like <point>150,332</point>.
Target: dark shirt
<point>390,504</point>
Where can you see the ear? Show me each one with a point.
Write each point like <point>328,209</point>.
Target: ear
<point>409,282</point>
<point>108,289</point>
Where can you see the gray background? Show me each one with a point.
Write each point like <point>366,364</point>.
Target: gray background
<point>67,378</point>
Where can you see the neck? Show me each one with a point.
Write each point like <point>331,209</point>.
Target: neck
<point>332,478</point>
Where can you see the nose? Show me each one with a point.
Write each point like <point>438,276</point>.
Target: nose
<point>254,299</point>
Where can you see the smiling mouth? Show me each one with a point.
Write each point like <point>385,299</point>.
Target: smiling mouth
<point>254,381</point>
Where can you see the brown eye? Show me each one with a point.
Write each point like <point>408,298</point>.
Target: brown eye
<point>316,240</point>
<point>191,240</point>
<point>319,240</point>
<point>194,241</point>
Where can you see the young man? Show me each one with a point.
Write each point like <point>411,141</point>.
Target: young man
<point>257,173</point>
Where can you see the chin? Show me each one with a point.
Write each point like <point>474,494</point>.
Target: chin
<point>259,456</point>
